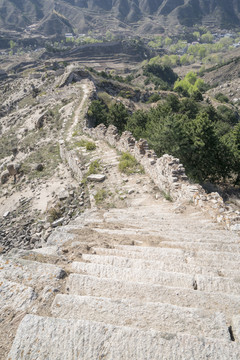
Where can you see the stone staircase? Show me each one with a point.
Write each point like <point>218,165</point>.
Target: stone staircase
<point>148,279</point>
<point>111,286</point>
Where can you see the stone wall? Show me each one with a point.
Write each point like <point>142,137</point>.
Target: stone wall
<point>168,174</point>
<point>72,159</point>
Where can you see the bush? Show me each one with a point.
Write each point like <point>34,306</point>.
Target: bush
<point>90,146</point>
<point>129,165</point>
<point>222,98</point>
<point>94,168</point>
<point>153,98</point>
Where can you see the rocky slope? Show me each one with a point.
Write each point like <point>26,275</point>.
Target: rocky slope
<point>62,16</point>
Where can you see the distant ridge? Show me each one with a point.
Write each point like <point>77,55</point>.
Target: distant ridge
<point>143,15</point>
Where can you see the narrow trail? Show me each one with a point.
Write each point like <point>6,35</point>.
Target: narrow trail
<point>86,88</point>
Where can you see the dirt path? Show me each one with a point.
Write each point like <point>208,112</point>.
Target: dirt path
<point>86,88</point>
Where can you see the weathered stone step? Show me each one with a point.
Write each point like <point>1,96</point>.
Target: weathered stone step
<point>153,277</point>
<point>170,255</point>
<point>100,287</point>
<point>166,265</point>
<point>197,246</point>
<point>30,273</point>
<point>176,228</point>
<point>197,282</point>
<point>214,255</point>
<point>217,284</point>
<point>156,316</point>
<point>16,296</point>
<point>57,339</point>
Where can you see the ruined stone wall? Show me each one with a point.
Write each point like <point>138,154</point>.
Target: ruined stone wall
<point>72,159</point>
<point>168,174</point>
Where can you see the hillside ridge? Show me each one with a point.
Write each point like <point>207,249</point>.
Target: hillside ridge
<point>85,15</point>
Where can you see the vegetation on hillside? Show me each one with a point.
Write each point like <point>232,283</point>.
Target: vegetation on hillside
<point>207,140</point>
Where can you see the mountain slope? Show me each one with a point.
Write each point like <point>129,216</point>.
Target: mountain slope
<point>88,14</point>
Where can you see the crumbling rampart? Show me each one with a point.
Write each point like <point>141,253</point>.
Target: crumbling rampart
<point>72,159</point>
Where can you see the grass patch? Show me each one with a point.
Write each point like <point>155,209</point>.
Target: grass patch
<point>100,196</point>
<point>167,196</point>
<point>129,165</point>
<point>75,133</point>
<point>94,168</point>
<point>48,155</point>
<point>89,145</point>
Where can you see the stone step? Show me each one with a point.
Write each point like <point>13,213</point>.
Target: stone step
<point>195,230</point>
<point>217,284</point>
<point>214,255</point>
<point>30,273</point>
<point>100,287</point>
<point>197,246</point>
<point>16,296</point>
<point>170,255</point>
<point>197,282</point>
<point>132,275</point>
<point>44,338</point>
<point>156,316</point>
<point>170,266</point>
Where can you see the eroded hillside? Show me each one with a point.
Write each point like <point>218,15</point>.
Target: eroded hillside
<point>59,17</point>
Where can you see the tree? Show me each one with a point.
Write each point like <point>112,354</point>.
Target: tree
<point>196,35</point>
<point>207,38</point>
<point>189,84</point>
<point>118,116</point>
<point>137,124</point>
<point>97,113</point>
<point>168,41</point>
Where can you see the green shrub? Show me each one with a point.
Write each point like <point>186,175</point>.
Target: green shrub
<point>129,165</point>
<point>222,98</point>
<point>94,168</point>
<point>90,146</point>
<point>153,98</point>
